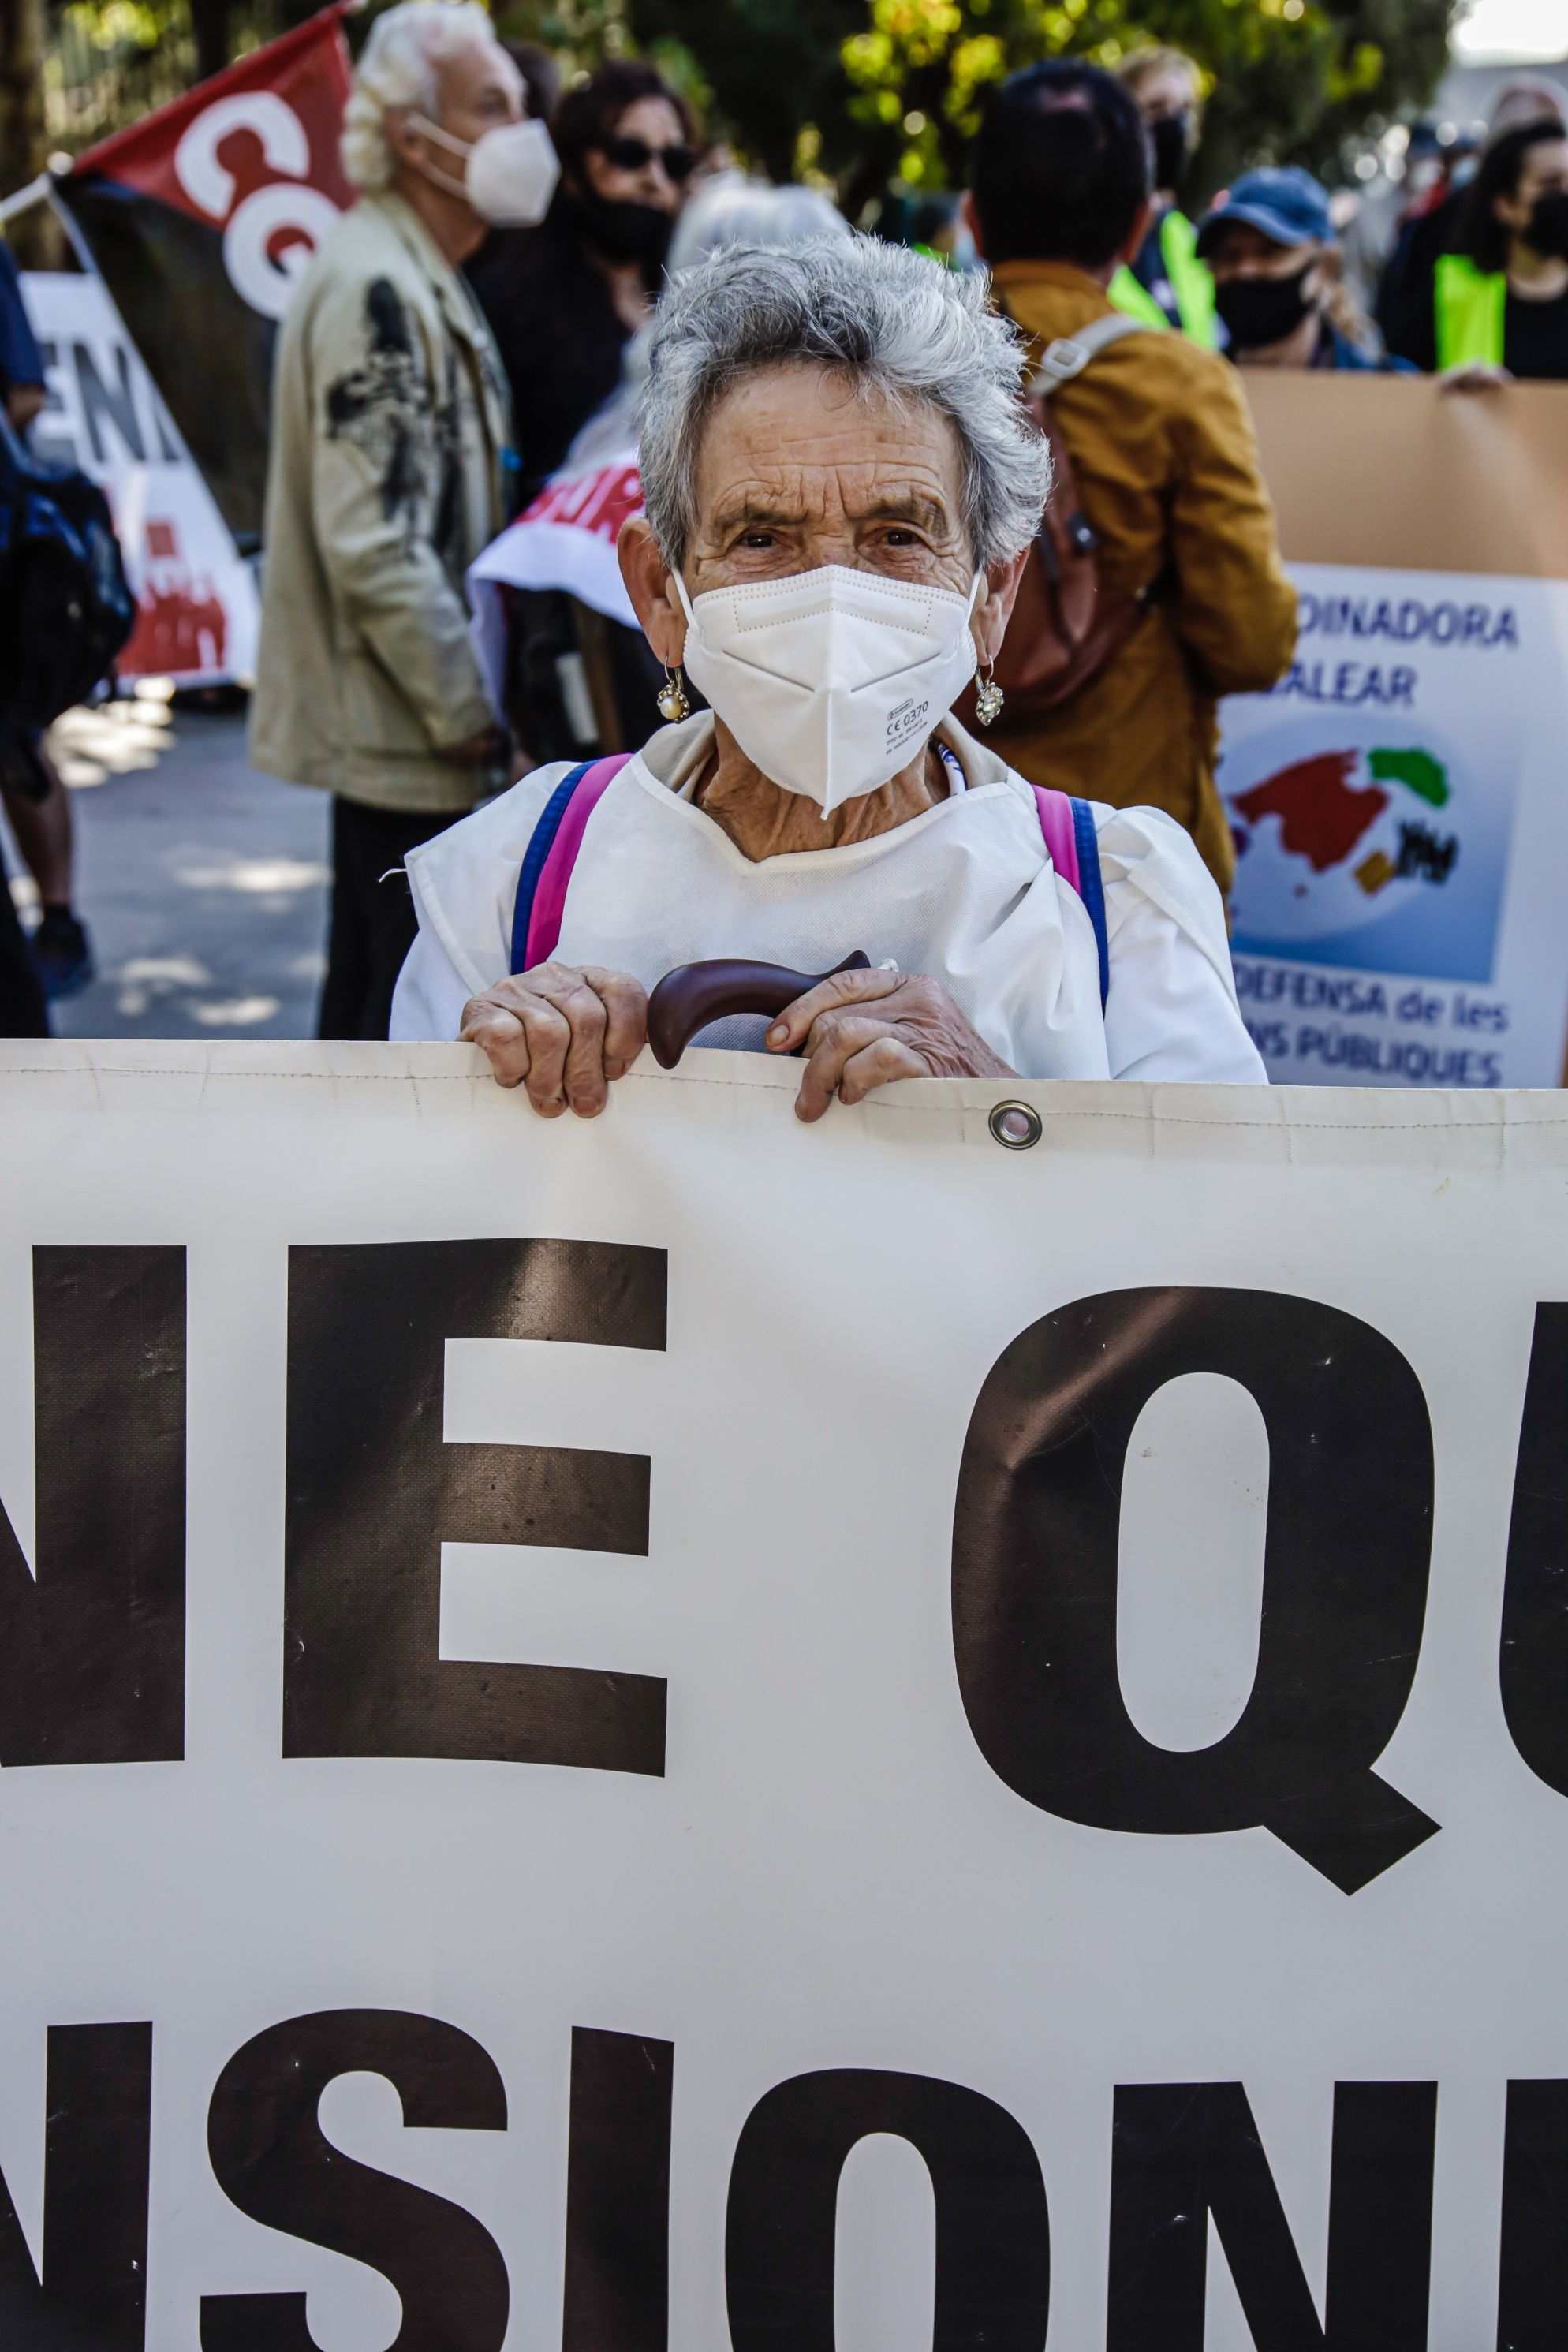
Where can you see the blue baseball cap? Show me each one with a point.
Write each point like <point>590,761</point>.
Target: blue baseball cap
<point>1282,203</point>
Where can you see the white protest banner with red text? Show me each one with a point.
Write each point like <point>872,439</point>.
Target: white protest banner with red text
<point>565,539</point>
<point>196,604</point>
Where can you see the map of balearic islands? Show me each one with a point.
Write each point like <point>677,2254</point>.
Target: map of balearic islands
<point>1323,814</point>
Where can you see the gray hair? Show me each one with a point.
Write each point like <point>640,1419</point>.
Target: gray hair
<point>729,209</point>
<point>401,66</point>
<point>889,319</point>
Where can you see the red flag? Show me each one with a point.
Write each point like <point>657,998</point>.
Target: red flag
<point>201,219</point>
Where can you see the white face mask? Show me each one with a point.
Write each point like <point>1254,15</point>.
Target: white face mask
<point>830,680</point>
<point>508,174</point>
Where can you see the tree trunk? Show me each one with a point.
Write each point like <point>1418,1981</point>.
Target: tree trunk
<point>35,236</point>
<point>209,21</point>
<point>23,147</point>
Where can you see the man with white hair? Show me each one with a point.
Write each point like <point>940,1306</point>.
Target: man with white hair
<point>390,434</point>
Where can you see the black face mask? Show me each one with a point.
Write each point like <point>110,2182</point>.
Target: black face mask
<point>625,231</point>
<point>1548,232</point>
<point>1258,311</point>
<point>1172,138</point>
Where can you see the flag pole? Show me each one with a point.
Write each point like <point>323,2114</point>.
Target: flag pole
<point>22,200</point>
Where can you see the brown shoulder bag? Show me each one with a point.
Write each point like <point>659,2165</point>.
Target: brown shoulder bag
<point>1064,628</point>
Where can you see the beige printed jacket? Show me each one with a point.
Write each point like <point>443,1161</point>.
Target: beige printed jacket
<point>390,429</point>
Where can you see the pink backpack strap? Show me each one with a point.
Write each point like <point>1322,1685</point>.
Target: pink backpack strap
<point>551,856</point>
<point>1060,834</point>
<point>1068,830</point>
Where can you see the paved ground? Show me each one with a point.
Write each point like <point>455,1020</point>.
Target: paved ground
<point>202,883</point>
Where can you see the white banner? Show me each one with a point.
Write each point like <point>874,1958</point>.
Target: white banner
<point>198,611</point>
<point>566,540</point>
<point>1400,820</point>
<point>687,1730</point>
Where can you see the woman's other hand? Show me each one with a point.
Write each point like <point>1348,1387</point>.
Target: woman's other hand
<point>863,1029</point>
<point>561,1031</point>
<point>1474,375</point>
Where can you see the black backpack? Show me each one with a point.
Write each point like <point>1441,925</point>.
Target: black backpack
<point>65,607</point>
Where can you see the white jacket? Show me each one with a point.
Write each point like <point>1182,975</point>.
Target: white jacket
<point>966,892</point>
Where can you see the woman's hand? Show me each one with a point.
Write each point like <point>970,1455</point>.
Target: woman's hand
<point>561,1030</point>
<point>862,1029</point>
<point>1474,375</point>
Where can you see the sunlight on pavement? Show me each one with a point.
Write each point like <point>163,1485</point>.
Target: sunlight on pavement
<point>115,740</point>
<point>259,876</point>
<point>238,1013</point>
<point>143,979</point>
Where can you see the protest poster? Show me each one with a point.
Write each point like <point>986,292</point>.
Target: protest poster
<point>564,539</point>
<point>1397,799</point>
<point>200,218</point>
<point>196,604</point>
<point>689,1730</point>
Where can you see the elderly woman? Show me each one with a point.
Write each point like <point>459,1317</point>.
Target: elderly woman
<point>842,487</point>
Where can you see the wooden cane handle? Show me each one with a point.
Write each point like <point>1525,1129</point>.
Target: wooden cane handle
<point>693,994</point>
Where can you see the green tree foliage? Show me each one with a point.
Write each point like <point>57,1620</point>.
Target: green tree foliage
<point>879,89</point>
<point>775,67</point>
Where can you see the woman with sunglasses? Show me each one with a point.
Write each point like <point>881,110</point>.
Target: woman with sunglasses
<point>564,300</point>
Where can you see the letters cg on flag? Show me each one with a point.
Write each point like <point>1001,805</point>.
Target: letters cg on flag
<point>200,218</point>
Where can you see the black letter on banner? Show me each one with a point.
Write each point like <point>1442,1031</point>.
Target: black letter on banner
<point>92,1656</point>
<point>1533,2273</point>
<point>1345,1562</point>
<point>618,2194</point>
<point>374,1491</point>
<point>1533,1664</point>
<point>93,2295</point>
<point>272,2158</point>
<point>1184,2150</point>
<point>993,2234</point>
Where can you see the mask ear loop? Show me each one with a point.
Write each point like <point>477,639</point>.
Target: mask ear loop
<point>442,179</point>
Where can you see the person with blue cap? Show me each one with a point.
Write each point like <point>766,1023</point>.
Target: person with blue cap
<point>1270,243</point>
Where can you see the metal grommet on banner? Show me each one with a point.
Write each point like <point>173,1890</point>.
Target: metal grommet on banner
<point>1016,1126</point>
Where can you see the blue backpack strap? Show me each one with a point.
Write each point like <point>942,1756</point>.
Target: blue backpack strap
<point>538,850</point>
<point>1091,889</point>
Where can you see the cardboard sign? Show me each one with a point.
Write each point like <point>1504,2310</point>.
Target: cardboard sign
<point>687,1730</point>
<point>1397,800</point>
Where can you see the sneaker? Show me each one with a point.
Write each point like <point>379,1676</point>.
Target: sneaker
<point>63,953</point>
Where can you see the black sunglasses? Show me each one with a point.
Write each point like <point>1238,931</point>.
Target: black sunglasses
<point>679,162</point>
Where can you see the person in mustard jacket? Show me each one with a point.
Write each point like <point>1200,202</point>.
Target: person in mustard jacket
<point>1166,461</point>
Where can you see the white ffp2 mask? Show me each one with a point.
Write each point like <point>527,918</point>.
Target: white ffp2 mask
<point>830,680</point>
<point>508,174</point>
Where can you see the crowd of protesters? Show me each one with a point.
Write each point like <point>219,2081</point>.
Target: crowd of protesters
<point>483,319</point>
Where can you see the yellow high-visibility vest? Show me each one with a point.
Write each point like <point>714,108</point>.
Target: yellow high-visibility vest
<point>1190,283</point>
<point>1468,306</point>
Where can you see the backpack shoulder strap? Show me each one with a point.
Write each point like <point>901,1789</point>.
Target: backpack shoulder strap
<point>1066,827</point>
<point>1071,354</point>
<point>551,854</point>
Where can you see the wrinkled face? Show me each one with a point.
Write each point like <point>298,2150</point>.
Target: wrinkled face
<point>1543,173</point>
<point>797,469</point>
<point>1239,251</point>
<point>645,159</point>
<point>479,87</point>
